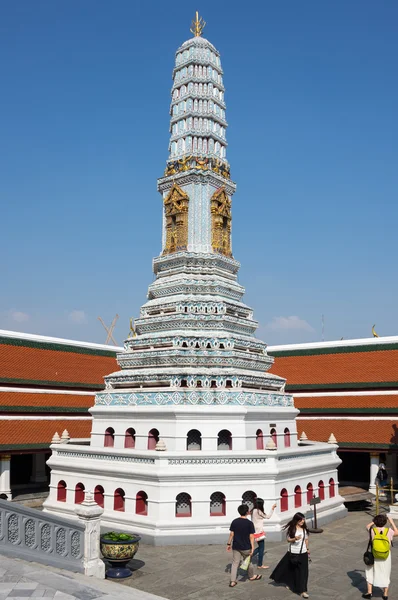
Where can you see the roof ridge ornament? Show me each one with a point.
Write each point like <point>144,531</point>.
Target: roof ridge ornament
<point>198,25</point>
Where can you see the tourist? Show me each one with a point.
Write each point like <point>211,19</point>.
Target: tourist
<point>292,570</point>
<point>382,476</point>
<point>258,517</point>
<point>241,539</point>
<point>378,574</point>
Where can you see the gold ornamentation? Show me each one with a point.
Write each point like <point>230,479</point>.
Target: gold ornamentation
<point>133,331</point>
<point>198,25</point>
<point>199,163</point>
<point>220,207</point>
<point>176,212</point>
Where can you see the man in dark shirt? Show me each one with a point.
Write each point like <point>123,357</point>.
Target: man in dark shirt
<point>241,538</point>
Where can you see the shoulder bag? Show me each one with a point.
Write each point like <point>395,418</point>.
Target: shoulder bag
<point>368,557</point>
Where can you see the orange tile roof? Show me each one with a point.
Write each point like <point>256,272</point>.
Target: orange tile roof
<point>354,402</point>
<point>41,365</point>
<point>337,369</point>
<point>36,400</point>
<point>23,432</point>
<point>351,433</point>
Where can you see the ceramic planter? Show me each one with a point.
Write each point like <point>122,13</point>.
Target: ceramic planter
<point>118,553</point>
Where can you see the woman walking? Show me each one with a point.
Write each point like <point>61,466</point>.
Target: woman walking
<point>258,517</point>
<point>379,573</point>
<point>292,569</point>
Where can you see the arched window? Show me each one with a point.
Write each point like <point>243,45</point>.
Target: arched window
<point>249,499</point>
<point>129,438</point>
<point>321,490</point>
<point>99,495</point>
<point>287,437</point>
<point>183,505</point>
<point>109,438</point>
<point>141,503</point>
<point>118,499</point>
<point>284,500</point>
<point>79,493</point>
<point>297,496</point>
<point>259,440</point>
<point>61,491</point>
<point>274,436</point>
<point>217,504</point>
<point>332,489</point>
<point>153,438</point>
<point>310,492</point>
<point>224,441</point>
<point>194,440</point>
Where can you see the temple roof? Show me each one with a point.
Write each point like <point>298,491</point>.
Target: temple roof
<point>347,364</point>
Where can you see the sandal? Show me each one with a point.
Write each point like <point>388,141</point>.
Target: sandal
<point>233,584</point>
<point>256,578</point>
<point>263,567</point>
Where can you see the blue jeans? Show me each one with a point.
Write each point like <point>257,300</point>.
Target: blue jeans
<point>260,551</point>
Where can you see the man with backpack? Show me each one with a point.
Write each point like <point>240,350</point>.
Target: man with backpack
<point>378,574</point>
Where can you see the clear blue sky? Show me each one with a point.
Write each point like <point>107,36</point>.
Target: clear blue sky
<point>312,97</point>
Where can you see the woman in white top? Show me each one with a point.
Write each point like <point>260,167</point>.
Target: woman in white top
<point>258,517</point>
<point>378,574</point>
<point>292,569</point>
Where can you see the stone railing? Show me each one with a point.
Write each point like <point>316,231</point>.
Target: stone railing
<point>32,535</point>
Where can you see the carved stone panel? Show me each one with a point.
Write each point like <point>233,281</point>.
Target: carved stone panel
<point>30,533</point>
<point>60,541</point>
<point>45,537</point>
<point>13,529</point>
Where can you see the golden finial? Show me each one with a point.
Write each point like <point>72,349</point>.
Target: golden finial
<point>374,332</point>
<point>198,25</point>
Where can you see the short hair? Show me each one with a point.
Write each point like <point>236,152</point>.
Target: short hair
<point>243,509</point>
<point>380,520</point>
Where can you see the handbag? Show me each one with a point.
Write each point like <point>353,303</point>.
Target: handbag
<point>259,536</point>
<point>245,565</point>
<point>294,559</point>
<point>368,557</point>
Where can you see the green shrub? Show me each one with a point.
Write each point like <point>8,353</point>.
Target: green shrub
<point>112,536</point>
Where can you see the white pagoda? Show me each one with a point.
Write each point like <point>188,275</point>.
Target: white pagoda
<point>193,424</point>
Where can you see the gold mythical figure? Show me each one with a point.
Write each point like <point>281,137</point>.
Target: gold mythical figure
<point>198,24</point>
<point>183,162</point>
<point>201,163</point>
<point>374,332</point>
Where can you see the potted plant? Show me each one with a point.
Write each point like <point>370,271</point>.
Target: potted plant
<point>119,549</point>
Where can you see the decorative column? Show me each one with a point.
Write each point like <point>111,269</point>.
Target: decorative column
<point>39,474</point>
<point>5,467</point>
<point>374,467</point>
<point>90,513</point>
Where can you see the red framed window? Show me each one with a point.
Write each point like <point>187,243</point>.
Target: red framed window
<point>287,437</point>
<point>61,491</point>
<point>249,499</point>
<point>284,500</point>
<point>297,496</point>
<point>259,440</point>
<point>310,492</point>
<point>332,488</point>
<point>153,438</point>
<point>129,438</point>
<point>141,503</point>
<point>119,499</point>
<point>79,493</point>
<point>109,438</point>
<point>321,490</point>
<point>274,436</point>
<point>99,495</point>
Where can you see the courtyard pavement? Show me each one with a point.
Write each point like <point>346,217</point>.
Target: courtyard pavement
<point>202,572</point>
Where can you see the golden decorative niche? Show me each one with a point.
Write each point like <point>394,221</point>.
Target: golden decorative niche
<point>220,207</point>
<point>176,212</point>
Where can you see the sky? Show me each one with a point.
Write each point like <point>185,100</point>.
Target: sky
<point>312,97</point>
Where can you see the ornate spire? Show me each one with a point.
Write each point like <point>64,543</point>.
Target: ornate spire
<point>198,25</point>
